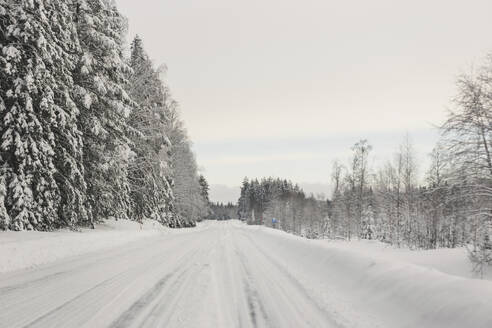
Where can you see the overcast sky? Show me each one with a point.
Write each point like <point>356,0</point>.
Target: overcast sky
<point>279,87</point>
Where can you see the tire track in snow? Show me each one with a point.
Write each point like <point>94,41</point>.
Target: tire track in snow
<point>253,299</point>
<point>285,300</point>
<point>174,301</point>
<point>163,297</point>
<point>129,316</point>
<point>72,299</point>
<point>9,289</point>
<point>116,280</point>
<point>288,275</point>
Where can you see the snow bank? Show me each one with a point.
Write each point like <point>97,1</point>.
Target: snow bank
<point>357,281</point>
<point>453,261</point>
<point>27,249</point>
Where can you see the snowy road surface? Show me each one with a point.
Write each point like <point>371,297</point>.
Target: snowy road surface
<point>222,275</point>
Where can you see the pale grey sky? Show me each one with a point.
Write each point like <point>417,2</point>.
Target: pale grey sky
<point>280,87</point>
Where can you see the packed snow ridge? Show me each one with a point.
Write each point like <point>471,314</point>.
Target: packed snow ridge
<point>228,274</point>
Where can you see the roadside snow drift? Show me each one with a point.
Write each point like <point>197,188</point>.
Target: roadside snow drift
<point>27,249</point>
<point>359,284</point>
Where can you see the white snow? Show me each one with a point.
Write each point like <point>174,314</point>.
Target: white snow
<point>27,249</point>
<point>11,52</point>
<point>227,274</point>
<point>397,288</point>
<point>453,261</point>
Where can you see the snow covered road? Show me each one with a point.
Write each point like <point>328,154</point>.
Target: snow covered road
<point>224,274</point>
<point>214,277</point>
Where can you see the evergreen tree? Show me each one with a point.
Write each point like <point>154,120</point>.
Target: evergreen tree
<point>4,216</point>
<point>150,173</point>
<point>243,202</point>
<point>41,145</point>
<point>105,106</point>
<point>204,186</point>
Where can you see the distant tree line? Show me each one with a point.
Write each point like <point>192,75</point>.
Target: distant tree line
<point>220,211</point>
<point>281,204</point>
<point>87,132</point>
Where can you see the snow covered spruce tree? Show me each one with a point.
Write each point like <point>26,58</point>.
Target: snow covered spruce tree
<point>204,187</point>
<point>243,202</point>
<point>4,216</point>
<point>41,144</point>
<point>150,174</point>
<point>100,78</point>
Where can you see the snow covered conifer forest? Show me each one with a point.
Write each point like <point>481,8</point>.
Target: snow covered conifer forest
<point>88,132</point>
